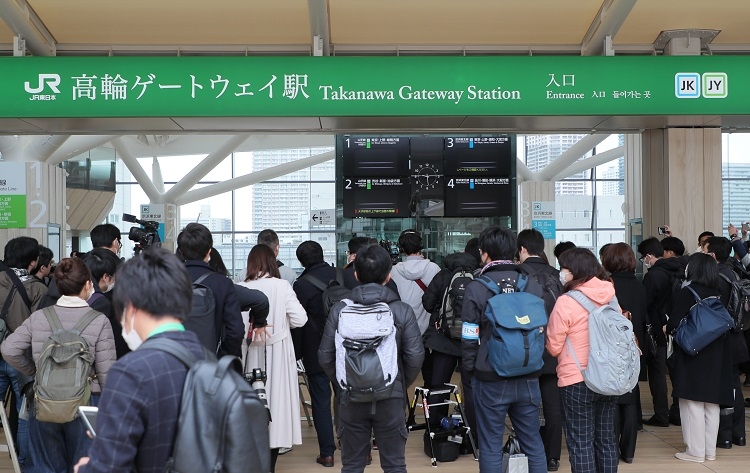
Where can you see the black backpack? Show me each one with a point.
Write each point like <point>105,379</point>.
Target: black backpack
<point>202,318</point>
<point>552,286</point>
<point>739,303</point>
<point>453,301</point>
<point>223,425</point>
<point>333,292</point>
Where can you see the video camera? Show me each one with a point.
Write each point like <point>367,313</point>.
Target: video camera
<point>393,251</point>
<point>146,235</point>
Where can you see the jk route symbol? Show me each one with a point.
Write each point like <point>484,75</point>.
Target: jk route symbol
<point>687,85</point>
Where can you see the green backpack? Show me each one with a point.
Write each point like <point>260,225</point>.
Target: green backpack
<point>63,374</point>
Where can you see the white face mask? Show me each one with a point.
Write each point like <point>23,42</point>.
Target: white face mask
<point>131,338</point>
<point>110,286</point>
<point>563,275</point>
<point>91,293</point>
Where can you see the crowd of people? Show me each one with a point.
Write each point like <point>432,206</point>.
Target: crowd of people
<point>444,322</point>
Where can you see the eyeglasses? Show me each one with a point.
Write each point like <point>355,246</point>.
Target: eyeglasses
<point>642,259</point>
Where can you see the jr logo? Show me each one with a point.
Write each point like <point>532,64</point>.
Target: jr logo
<point>51,80</point>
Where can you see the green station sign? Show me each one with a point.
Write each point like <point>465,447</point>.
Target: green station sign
<point>32,87</point>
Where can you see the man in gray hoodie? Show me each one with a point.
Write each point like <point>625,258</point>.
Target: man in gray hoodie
<point>412,276</point>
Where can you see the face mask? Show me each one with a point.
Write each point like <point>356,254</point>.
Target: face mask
<point>110,286</point>
<point>131,338</point>
<point>646,264</point>
<point>562,278</point>
<point>699,250</point>
<point>91,293</point>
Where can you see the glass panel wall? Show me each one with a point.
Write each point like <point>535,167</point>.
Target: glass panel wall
<point>284,204</point>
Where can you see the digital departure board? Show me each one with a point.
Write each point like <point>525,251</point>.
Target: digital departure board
<point>451,176</point>
<point>478,197</point>
<point>376,197</point>
<point>481,156</point>
<point>375,157</point>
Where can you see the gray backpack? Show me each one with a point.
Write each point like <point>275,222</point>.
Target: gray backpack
<point>613,364</point>
<point>366,352</point>
<point>64,370</point>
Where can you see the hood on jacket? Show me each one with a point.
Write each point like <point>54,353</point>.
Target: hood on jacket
<point>462,261</point>
<point>371,293</point>
<point>601,292</point>
<point>415,267</point>
<point>674,265</point>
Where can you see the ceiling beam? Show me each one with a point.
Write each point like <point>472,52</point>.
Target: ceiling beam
<point>24,22</point>
<point>607,23</point>
<point>569,156</point>
<point>253,178</point>
<point>590,162</point>
<point>320,29</point>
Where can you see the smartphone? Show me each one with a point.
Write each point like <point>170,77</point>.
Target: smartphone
<point>662,230</point>
<point>746,227</point>
<point>88,414</point>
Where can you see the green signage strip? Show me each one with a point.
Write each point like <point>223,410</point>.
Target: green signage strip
<point>12,195</point>
<point>372,86</point>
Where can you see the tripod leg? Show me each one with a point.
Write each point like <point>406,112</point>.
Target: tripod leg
<point>460,407</point>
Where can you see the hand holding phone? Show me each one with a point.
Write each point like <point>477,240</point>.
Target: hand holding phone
<point>88,415</point>
<point>662,230</point>
<point>746,227</point>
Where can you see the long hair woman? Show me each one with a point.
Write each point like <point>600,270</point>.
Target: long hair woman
<point>276,354</point>
<point>619,260</point>
<point>702,382</point>
<point>588,416</point>
<point>57,447</point>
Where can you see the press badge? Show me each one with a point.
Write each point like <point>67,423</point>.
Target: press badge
<point>470,331</point>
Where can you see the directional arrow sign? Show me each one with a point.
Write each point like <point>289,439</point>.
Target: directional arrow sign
<point>322,218</point>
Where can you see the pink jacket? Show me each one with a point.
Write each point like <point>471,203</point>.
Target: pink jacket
<point>569,320</point>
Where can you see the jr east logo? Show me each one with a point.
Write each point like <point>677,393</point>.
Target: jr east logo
<point>709,85</point>
<point>44,82</point>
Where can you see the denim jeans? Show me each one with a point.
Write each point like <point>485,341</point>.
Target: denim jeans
<point>520,400</point>
<point>9,377</point>
<point>589,420</point>
<point>56,448</point>
<point>320,397</point>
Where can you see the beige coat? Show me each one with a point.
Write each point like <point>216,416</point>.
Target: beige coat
<point>285,312</point>
<point>35,331</point>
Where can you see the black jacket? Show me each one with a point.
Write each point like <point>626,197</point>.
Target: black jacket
<point>535,265</point>
<point>659,281</point>
<point>254,301</point>
<point>307,338</point>
<point>228,320</point>
<point>474,353</point>
<point>408,337</point>
<point>351,282</point>
<point>707,376</point>
<point>736,339</point>
<point>104,305</point>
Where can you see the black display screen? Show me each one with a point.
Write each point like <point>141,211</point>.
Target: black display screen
<point>478,197</point>
<point>368,157</point>
<point>376,197</point>
<point>483,156</point>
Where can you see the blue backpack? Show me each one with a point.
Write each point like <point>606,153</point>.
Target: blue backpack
<point>518,319</point>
